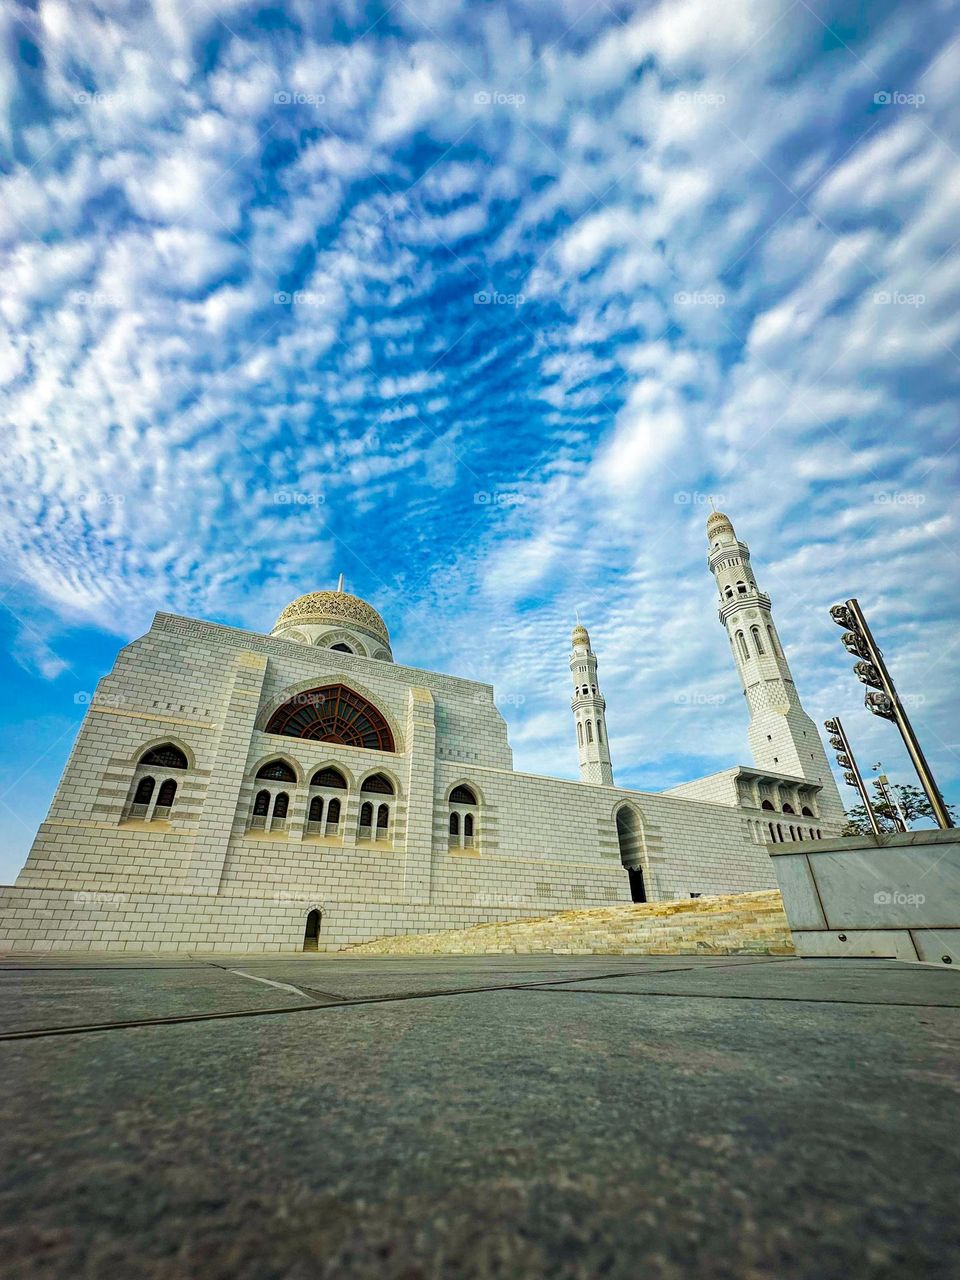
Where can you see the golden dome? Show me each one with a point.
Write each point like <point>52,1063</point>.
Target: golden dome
<point>336,608</point>
<point>580,634</point>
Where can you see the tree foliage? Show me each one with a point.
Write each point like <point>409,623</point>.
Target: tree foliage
<point>913,802</point>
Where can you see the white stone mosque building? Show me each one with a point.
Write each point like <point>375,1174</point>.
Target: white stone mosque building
<point>236,791</point>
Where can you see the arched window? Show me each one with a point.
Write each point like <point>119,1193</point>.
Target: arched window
<point>741,588</point>
<point>780,833</point>
<point>311,934</point>
<point>378,783</point>
<point>580,733</point>
<point>807,812</point>
<point>728,592</point>
<point>468,825</point>
<point>383,820</point>
<point>261,806</point>
<point>773,834</point>
<point>329,778</point>
<point>600,731</point>
<point>766,804</point>
<point>316,809</point>
<point>166,756</point>
<point>788,808</point>
<point>454,824</point>
<point>366,820</point>
<point>774,647</point>
<point>741,641</point>
<point>333,713</point>
<point>589,731</point>
<point>811,833</point>
<point>341,648</point>
<point>793,833</point>
<point>168,789</point>
<point>462,795</point>
<point>277,771</point>
<point>757,642</point>
<point>144,791</point>
<point>280,804</point>
<point>333,816</point>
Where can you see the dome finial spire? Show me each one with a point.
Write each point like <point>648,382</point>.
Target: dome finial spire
<point>340,584</point>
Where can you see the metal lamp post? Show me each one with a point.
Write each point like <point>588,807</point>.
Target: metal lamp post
<point>885,702</point>
<point>848,762</point>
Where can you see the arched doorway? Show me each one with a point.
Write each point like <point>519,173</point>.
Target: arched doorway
<point>630,840</point>
<point>311,935</point>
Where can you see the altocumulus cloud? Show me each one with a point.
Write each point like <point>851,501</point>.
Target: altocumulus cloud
<point>481,304</point>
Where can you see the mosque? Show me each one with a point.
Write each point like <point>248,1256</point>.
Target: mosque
<point>236,791</point>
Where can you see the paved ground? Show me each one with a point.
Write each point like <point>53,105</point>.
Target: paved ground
<point>416,1119</point>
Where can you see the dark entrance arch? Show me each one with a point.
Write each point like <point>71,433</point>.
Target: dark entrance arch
<point>311,935</point>
<point>630,840</point>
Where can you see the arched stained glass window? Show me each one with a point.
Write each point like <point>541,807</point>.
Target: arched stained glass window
<point>454,824</point>
<point>378,783</point>
<point>329,778</point>
<point>277,771</point>
<point>166,756</point>
<point>144,791</point>
<point>462,795</point>
<point>261,806</point>
<point>168,789</point>
<point>333,714</point>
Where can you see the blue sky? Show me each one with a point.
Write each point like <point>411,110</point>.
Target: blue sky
<point>479,304</point>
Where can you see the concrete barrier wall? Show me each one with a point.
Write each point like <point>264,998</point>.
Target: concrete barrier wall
<point>883,896</point>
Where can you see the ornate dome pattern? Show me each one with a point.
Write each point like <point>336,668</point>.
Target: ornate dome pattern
<point>580,634</point>
<point>321,607</point>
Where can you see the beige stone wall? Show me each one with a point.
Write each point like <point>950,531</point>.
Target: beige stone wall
<point>204,880</point>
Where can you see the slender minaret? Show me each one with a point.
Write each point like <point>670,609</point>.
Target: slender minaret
<point>782,736</point>
<point>588,712</point>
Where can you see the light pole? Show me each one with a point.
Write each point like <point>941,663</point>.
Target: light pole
<point>848,763</point>
<point>871,670</point>
<point>890,798</point>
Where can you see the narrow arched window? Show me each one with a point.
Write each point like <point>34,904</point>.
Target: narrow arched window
<point>589,731</point>
<point>333,814</point>
<point>600,731</point>
<point>780,833</point>
<point>261,806</point>
<point>806,811</point>
<point>144,791</point>
<point>168,789</point>
<point>741,641</point>
<point>774,647</point>
<point>454,824</point>
<point>580,732</point>
<point>468,825</point>
<point>773,834</point>
<point>280,805</point>
<point>728,592</point>
<point>366,815</point>
<point>741,588</point>
<point>757,642</point>
<point>383,819</point>
<point>316,809</point>
<point>788,808</point>
<point>766,804</point>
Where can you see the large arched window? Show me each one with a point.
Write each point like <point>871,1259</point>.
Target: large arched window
<point>329,778</point>
<point>277,771</point>
<point>166,756</point>
<point>333,713</point>
<point>378,783</point>
<point>462,795</point>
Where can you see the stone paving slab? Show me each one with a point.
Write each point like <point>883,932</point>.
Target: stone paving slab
<point>56,998</point>
<point>824,980</point>
<point>505,1135</point>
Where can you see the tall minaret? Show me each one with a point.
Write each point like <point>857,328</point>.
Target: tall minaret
<point>782,736</point>
<point>588,712</point>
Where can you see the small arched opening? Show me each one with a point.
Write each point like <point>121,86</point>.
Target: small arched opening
<point>311,934</point>
<point>630,840</point>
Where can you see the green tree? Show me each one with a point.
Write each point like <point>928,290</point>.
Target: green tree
<point>913,802</point>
